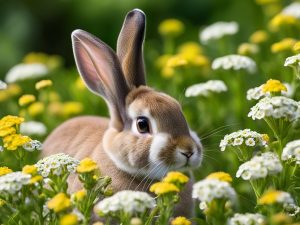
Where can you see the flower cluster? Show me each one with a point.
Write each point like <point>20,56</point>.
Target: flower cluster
<point>13,182</point>
<point>291,151</point>
<point>205,89</point>
<point>276,107</point>
<point>218,30</point>
<point>128,201</point>
<point>33,145</point>
<point>181,221</point>
<point>258,93</point>
<point>244,137</point>
<point>274,196</point>
<point>208,190</point>
<point>234,62</point>
<point>56,164</point>
<point>260,166</point>
<point>247,219</point>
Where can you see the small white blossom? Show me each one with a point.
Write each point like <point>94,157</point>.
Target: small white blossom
<point>33,128</point>
<point>210,189</point>
<point>33,145</point>
<point>246,136</point>
<point>55,164</point>
<point>13,182</point>
<point>1,148</point>
<point>247,219</point>
<point>276,107</point>
<point>291,151</point>
<point>260,166</point>
<point>218,30</point>
<point>292,10</point>
<point>204,89</point>
<point>2,85</point>
<point>292,60</point>
<point>126,201</point>
<point>292,209</point>
<point>26,71</point>
<point>235,62</point>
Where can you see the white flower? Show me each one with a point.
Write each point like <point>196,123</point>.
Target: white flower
<point>2,85</point>
<point>127,201</point>
<point>257,92</point>
<point>276,107</point>
<point>1,148</point>
<point>292,10</point>
<point>218,30</point>
<point>250,138</point>
<point>33,128</point>
<point>13,182</point>
<point>247,219</point>
<point>291,151</point>
<point>235,62</point>
<point>210,189</point>
<point>33,145</point>
<point>260,167</point>
<point>26,71</point>
<point>292,60</point>
<point>204,89</point>
<point>55,164</point>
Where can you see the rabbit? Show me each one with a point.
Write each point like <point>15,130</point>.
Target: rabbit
<point>147,134</point>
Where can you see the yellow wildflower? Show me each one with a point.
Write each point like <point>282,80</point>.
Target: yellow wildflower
<point>222,176</point>
<point>161,188</point>
<point>59,202</point>
<point>296,47</point>
<point>171,28</point>
<point>13,141</point>
<point>273,86</point>
<point>176,61</point>
<point>168,72</point>
<point>4,170</point>
<point>162,60</point>
<point>247,49</point>
<point>79,195</point>
<point>35,179</point>
<point>13,89</point>
<point>9,121</point>
<point>281,218</point>
<point>54,96</point>
<point>282,20</point>
<point>7,131</point>
<point>36,108</point>
<point>98,223</point>
<point>69,219</point>
<point>265,137</point>
<point>284,45</point>
<point>181,221</point>
<point>71,108</point>
<point>190,48</point>
<point>43,84</point>
<point>26,99</point>
<point>2,202</point>
<point>86,165</point>
<point>269,197</point>
<point>136,221</point>
<point>175,177</point>
<point>29,169</point>
<point>79,84</point>
<point>259,36</point>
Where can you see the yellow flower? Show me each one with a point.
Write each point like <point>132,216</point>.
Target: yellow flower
<point>281,20</point>
<point>269,197</point>
<point>136,221</point>
<point>98,223</point>
<point>265,137</point>
<point>222,176</point>
<point>283,45</point>
<point>259,37</point>
<point>7,131</point>
<point>171,28</point>
<point>273,86</point>
<point>175,177</point>
<point>26,99</point>
<point>35,179</point>
<point>176,61</point>
<point>281,218</point>
<point>4,170</point>
<point>36,109</point>
<point>86,165</point>
<point>161,188</point>
<point>162,60</point>
<point>43,84</point>
<point>69,219</point>
<point>13,141</point>
<point>54,96</point>
<point>9,121</point>
<point>2,202</point>
<point>59,202</point>
<point>29,169</point>
<point>296,47</point>
<point>79,84</point>
<point>247,49</point>
<point>200,60</point>
<point>190,48</point>
<point>180,221</point>
<point>71,108</point>
<point>79,195</point>
<point>168,72</point>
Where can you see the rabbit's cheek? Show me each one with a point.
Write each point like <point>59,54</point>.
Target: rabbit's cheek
<point>159,143</point>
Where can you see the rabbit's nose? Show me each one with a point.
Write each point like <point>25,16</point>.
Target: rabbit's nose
<point>187,154</point>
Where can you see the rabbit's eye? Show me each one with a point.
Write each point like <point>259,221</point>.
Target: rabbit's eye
<point>142,125</point>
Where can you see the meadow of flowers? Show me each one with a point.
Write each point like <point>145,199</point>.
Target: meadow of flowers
<point>240,96</point>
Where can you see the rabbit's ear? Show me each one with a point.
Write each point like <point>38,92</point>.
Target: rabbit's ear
<point>130,48</point>
<point>100,69</point>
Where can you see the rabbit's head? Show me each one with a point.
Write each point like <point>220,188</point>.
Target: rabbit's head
<point>148,133</point>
